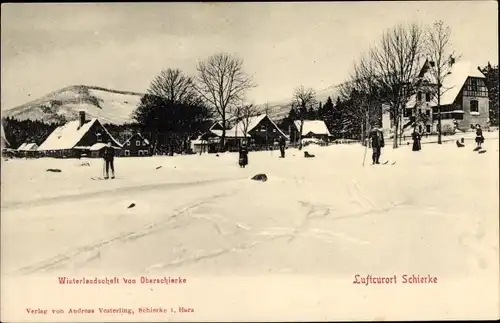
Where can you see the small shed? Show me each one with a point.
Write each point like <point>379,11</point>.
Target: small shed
<point>313,129</point>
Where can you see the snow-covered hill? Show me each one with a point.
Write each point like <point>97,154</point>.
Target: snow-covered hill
<point>110,106</point>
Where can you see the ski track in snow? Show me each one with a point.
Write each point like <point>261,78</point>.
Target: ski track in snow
<point>298,212</point>
<point>115,191</point>
<point>71,256</point>
<point>213,254</point>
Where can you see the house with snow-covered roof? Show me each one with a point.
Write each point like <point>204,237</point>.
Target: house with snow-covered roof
<point>208,138</point>
<point>77,138</point>
<point>136,145</point>
<point>258,130</point>
<point>464,100</point>
<point>28,147</point>
<point>311,129</point>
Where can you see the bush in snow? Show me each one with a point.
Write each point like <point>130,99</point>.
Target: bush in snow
<point>448,129</point>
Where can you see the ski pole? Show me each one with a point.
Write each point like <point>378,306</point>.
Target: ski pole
<point>364,157</point>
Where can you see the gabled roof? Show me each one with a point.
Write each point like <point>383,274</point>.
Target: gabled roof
<point>216,124</point>
<point>452,84</point>
<point>31,146</point>
<point>250,124</point>
<point>136,134</point>
<point>456,80</point>
<point>68,135</point>
<point>28,146</point>
<point>208,125</point>
<point>317,127</point>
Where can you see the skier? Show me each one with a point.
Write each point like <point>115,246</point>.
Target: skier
<point>378,143</point>
<point>282,143</point>
<point>417,146</point>
<point>479,137</point>
<point>109,156</point>
<point>243,155</point>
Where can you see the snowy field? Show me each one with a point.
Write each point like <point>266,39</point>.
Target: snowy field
<point>418,213</point>
<point>435,212</point>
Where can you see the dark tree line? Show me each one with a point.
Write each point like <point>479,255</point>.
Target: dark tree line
<point>168,123</point>
<point>341,118</point>
<point>27,131</point>
<point>491,74</point>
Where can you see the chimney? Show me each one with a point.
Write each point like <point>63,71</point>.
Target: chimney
<point>82,119</point>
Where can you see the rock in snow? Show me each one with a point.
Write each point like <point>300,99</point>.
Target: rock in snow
<point>260,177</point>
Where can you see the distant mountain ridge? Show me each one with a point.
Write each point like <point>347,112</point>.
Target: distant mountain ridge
<point>113,106</point>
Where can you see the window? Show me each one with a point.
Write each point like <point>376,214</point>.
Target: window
<point>99,137</point>
<point>476,88</point>
<point>428,113</point>
<point>419,111</point>
<point>127,152</point>
<point>138,143</point>
<point>473,83</point>
<point>419,96</point>
<point>139,152</point>
<point>128,143</point>
<point>474,106</point>
<point>428,128</point>
<point>427,97</point>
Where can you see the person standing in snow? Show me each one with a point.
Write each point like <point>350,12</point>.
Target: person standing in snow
<point>282,143</point>
<point>377,137</point>
<point>243,155</point>
<point>416,141</point>
<point>109,156</point>
<point>479,137</point>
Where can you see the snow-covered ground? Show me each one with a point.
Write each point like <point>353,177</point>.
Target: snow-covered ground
<point>435,212</point>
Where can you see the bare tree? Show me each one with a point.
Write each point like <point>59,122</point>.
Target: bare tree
<point>441,59</point>
<point>242,116</point>
<point>362,91</point>
<point>174,86</point>
<point>247,112</point>
<point>396,64</point>
<point>222,83</point>
<point>302,99</point>
<point>267,108</point>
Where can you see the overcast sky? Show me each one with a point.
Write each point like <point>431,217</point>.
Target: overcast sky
<point>123,46</point>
